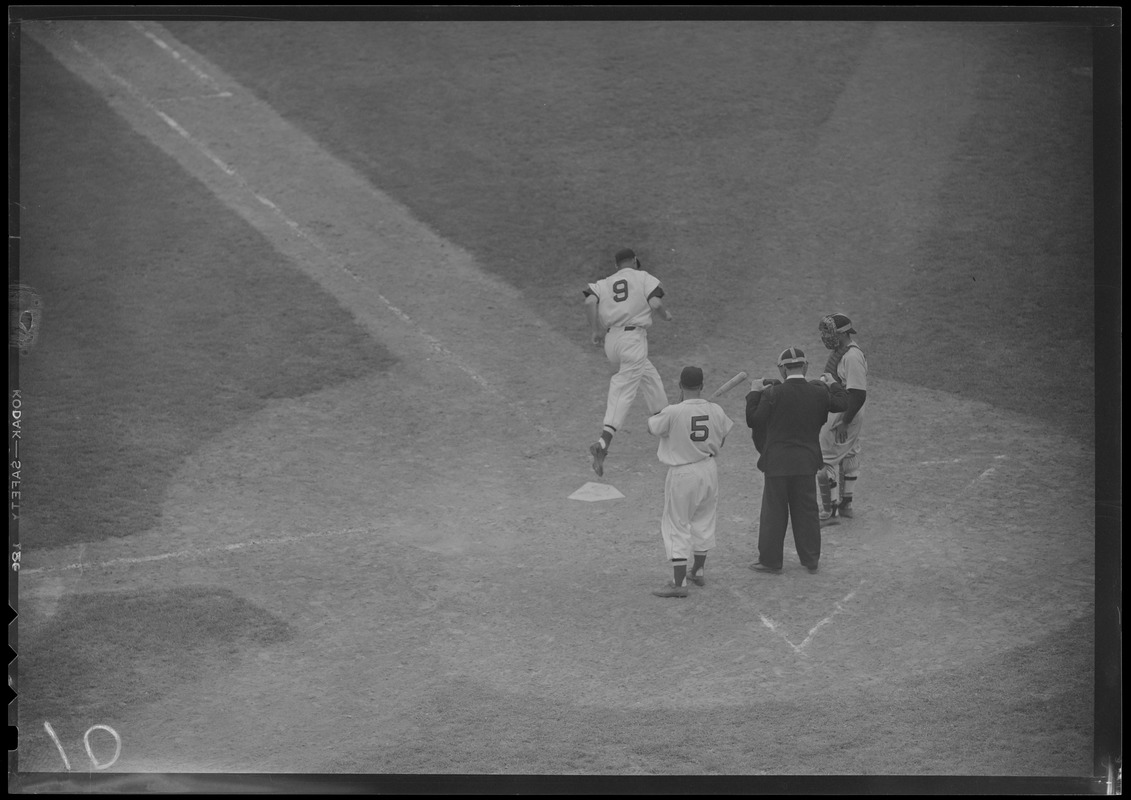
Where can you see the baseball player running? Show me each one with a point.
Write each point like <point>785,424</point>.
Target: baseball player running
<point>619,309</point>
<point>691,433</point>
<point>840,437</point>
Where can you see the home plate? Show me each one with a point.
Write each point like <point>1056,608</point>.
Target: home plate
<point>592,492</point>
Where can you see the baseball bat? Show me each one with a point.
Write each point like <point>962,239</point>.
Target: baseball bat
<point>726,387</point>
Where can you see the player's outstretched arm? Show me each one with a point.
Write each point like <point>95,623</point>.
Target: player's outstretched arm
<point>658,306</point>
<point>753,400</point>
<point>597,333</point>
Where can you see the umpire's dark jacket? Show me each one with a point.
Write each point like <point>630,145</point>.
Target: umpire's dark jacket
<point>786,420</point>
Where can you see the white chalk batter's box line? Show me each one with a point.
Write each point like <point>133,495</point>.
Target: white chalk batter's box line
<point>962,460</point>
<point>799,649</point>
<point>196,552</point>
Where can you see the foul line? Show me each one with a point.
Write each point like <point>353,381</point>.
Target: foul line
<point>221,548</point>
<point>204,77</point>
<point>434,344</point>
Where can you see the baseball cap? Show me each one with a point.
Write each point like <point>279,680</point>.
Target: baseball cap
<point>625,255</point>
<point>791,356</point>
<point>691,378</point>
<point>842,323</point>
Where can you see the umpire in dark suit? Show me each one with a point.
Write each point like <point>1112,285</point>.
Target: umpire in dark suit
<point>785,420</point>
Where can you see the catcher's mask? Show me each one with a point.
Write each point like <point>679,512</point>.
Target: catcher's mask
<point>831,327</point>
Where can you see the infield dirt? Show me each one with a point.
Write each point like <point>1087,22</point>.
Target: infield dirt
<point>378,519</point>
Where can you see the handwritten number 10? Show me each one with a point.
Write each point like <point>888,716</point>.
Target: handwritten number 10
<point>86,743</point>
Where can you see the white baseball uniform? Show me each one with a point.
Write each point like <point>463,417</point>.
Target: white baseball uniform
<point>691,435</point>
<point>623,310</point>
<point>852,372</point>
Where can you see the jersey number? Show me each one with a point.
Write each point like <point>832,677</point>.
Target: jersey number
<point>620,290</point>
<point>699,430</point>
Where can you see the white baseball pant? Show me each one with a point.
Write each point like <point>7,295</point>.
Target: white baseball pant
<point>691,500</point>
<point>628,352</point>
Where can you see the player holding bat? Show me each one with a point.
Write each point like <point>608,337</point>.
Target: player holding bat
<point>691,433</point>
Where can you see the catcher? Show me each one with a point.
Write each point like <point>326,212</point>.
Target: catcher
<point>840,437</point>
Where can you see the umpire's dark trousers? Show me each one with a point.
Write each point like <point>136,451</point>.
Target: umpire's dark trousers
<point>784,497</point>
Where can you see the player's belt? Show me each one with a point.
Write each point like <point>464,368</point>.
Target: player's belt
<point>700,461</point>
<point>626,328</point>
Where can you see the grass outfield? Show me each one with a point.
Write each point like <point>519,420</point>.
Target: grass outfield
<point>157,334</point>
<point>544,154</point>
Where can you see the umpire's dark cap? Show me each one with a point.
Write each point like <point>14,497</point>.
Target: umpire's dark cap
<point>843,323</point>
<point>691,378</point>
<point>792,356</point>
<point>625,255</point>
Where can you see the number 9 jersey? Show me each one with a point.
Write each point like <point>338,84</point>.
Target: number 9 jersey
<point>622,298</point>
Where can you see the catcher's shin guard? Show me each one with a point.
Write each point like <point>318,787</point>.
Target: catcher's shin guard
<point>849,468</point>
<point>825,494</point>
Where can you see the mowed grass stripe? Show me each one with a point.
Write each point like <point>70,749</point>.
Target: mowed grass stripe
<point>168,318</point>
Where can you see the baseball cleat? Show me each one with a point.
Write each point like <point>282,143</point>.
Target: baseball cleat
<point>812,569</point>
<point>598,454</point>
<point>758,566</point>
<point>671,590</point>
<point>845,509</point>
<point>829,520</point>
<point>697,578</point>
